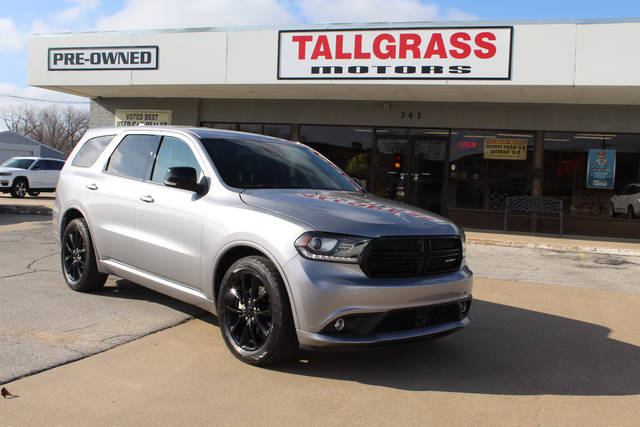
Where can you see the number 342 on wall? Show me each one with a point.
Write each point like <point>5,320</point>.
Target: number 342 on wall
<point>410,115</point>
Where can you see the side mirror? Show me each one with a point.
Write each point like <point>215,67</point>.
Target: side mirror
<point>358,183</point>
<point>184,178</point>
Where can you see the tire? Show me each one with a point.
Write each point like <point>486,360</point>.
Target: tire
<point>19,188</point>
<point>630,213</point>
<point>254,313</point>
<point>34,193</point>
<point>78,259</point>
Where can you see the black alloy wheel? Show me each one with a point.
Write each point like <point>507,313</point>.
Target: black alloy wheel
<point>19,188</point>
<point>78,259</point>
<point>630,214</point>
<point>74,255</point>
<point>248,315</point>
<point>255,317</point>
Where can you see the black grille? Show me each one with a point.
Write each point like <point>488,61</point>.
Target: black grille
<point>411,256</point>
<point>419,318</point>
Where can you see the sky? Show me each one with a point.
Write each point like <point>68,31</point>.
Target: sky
<point>20,18</point>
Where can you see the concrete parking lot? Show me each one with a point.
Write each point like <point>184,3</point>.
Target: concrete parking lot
<point>555,340</point>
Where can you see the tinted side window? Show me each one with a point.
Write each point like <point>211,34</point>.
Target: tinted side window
<point>91,150</point>
<point>132,157</point>
<point>37,166</point>
<point>173,152</point>
<point>46,165</point>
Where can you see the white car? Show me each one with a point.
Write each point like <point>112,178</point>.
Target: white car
<point>627,201</point>
<point>22,175</point>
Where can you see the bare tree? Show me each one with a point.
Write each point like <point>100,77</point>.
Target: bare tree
<point>58,127</point>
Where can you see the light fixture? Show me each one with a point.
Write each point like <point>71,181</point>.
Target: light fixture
<point>478,136</point>
<point>597,135</point>
<point>517,135</point>
<point>437,132</point>
<point>364,130</point>
<point>557,139</point>
<point>599,138</point>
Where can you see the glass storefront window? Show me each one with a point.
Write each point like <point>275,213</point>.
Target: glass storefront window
<point>566,164</point>
<point>348,147</point>
<point>276,130</point>
<point>217,125</point>
<point>487,167</point>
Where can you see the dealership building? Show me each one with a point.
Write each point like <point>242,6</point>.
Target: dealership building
<point>451,117</point>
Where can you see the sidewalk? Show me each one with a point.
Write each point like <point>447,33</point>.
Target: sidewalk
<point>601,245</point>
<point>29,205</point>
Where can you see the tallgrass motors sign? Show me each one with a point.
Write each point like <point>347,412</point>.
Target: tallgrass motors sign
<point>103,58</point>
<point>482,53</point>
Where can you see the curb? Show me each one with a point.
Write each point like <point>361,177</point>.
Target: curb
<point>28,210</point>
<point>556,247</point>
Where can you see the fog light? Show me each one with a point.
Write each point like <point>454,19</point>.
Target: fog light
<point>339,325</point>
<point>463,307</point>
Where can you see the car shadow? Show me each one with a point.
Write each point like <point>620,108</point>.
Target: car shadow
<point>505,351</point>
<point>122,288</point>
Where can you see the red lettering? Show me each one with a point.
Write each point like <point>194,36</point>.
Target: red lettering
<point>302,44</point>
<point>340,54</point>
<point>490,48</point>
<point>358,53</point>
<point>389,50</point>
<point>405,46</point>
<point>322,48</point>
<point>457,42</point>
<point>436,47</point>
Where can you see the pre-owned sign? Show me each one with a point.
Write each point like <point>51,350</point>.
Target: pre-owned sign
<point>103,58</point>
<point>482,53</point>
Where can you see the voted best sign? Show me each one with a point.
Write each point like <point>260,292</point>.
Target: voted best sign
<point>144,117</point>
<point>482,53</point>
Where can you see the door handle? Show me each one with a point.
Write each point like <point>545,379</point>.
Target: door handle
<point>147,199</point>
<point>92,187</point>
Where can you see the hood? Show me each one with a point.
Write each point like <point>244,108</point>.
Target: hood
<point>13,170</point>
<point>350,213</point>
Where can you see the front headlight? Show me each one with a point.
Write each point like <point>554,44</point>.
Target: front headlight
<point>331,247</point>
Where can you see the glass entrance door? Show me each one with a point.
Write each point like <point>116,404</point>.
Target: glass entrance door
<point>410,170</point>
<point>426,177</point>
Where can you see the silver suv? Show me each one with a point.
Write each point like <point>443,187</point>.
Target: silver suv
<point>273,238</point>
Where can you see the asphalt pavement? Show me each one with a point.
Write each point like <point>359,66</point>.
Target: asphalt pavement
<point>555,340</point>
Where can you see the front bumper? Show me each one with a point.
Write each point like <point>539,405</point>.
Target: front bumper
<point>323,292</point>
<point>316,341</point>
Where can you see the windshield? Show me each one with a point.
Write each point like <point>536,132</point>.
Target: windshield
<point>18,163</point>
<point>254,163</point>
